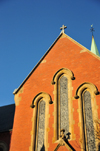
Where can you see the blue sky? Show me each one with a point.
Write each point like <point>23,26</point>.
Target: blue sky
<point>29,27</point>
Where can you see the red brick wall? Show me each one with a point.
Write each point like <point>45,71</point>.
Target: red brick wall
<point>64,54</point>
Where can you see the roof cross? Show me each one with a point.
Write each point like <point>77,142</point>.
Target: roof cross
<point>62,28</point>
<point>92,29</point>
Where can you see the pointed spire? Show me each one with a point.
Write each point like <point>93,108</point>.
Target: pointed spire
<point>94,48</point>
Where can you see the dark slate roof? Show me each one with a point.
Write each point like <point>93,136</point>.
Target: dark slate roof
<point>6,117</point>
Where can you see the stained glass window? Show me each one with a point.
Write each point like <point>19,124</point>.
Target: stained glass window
<point>64,113</point>
<point>88,122</point>
<point>41,127</point>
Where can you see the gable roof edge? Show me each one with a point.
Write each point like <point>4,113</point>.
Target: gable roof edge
<point>87,50</point>
<point>16,90</point>
<point>84,48</point>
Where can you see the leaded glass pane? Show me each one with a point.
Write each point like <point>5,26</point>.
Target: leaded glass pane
<point>64,120</point>
<point>41,127</point>
<point>89,122</point>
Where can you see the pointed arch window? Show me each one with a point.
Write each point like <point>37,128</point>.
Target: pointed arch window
<point>41,126</point>
<point>62,101</point>
<point>39,137</point>
<point>86,95</point>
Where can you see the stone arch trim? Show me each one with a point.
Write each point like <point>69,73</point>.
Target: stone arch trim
<point>92,89</point>
<point>86,85</point>
<point>61,72</point>
<point>38,98</point>
<point>55,81</point>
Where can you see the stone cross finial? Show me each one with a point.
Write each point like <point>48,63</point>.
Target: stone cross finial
<point>62,28</point>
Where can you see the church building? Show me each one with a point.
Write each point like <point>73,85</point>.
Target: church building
<point>58,104</point>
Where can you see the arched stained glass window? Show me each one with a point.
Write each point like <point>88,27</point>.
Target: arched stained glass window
<point>88,122</point>
<point>39,133</point>
<point>41,126</point>
<point>62,81</point>
<point>88,115</point>
<point>63,102</point>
